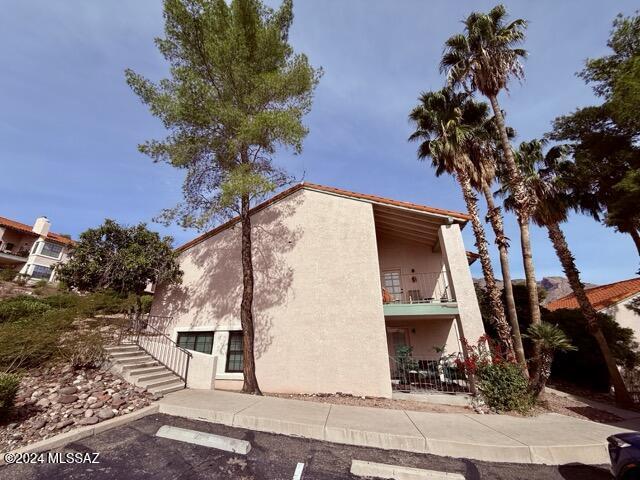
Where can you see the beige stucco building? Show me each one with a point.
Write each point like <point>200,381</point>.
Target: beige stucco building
<point>344,281</point>
<point>32,251</point>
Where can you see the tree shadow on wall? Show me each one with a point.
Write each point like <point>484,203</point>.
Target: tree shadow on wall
<point>211,290</point>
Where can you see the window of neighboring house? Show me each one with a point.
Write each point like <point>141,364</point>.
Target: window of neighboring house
<point>51,249</point>
<point>40,271</point>
<point>8,246</point>
<point>197,341</point>
<point>234,353</point>
<point>34,248</point>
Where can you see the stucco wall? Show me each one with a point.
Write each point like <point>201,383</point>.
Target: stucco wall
<point>395,254</point>
<point>413,260</point>
<point>461,283</point>
<point>625,317</point>
<point>317,307</point>
<point>427,333</point>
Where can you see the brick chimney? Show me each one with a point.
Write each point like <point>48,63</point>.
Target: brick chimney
<point>42,226</point>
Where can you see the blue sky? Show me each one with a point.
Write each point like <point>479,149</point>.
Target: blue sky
<point>69,124</point>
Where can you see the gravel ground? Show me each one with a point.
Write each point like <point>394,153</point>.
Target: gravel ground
<point>134,452</point>
<point>339,399</point>
<point>552,403</point>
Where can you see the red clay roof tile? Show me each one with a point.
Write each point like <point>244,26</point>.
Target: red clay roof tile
<point>602,296</point>
<point>24,228</point>
<point>336,191</point>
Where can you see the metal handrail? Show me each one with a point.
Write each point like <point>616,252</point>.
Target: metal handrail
<point>166,351</point>
<point>425,287</point>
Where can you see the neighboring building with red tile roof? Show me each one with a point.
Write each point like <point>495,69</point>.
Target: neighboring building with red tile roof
<point>612,299</point>
<point>32,250</point>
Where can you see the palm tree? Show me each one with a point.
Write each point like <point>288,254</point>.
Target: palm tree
<point>485,57</point>
<point>485,150</point>
<point>446,122</point>
<point>549,339</point>
<point>544,175</point>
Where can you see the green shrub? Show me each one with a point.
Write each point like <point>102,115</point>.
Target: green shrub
<point>7,275</point>
<point>146,301</point>
<point>504,387</point>
<point>82,349</point>
<point>62,300</point>
<point>20,307</point>
<point>26,343</point>
<point>9,384</point>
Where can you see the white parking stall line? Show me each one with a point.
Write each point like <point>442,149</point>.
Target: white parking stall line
<point>297,475</point>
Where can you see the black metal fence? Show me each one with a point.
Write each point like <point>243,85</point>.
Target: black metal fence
<point>146,331</point>
<point>421,375</point>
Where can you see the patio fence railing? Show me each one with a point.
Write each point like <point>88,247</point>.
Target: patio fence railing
<point>421,375</point>
<point>415,287</point>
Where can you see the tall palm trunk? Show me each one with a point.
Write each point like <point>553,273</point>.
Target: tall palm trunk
<point>523,213</point>
<point>636,237</point>
<point>571,271</point>
<point>495,302</point>
<point>495,218</point>
<point>250,384</point>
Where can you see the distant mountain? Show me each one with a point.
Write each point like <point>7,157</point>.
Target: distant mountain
<point>556,287</point>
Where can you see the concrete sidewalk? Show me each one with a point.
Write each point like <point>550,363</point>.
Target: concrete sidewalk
<point>550,439</point>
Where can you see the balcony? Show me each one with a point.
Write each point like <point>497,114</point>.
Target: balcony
<point>417,294</point>
<point>8,256</point>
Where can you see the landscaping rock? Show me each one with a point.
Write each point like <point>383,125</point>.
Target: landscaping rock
<point>45,405</point>
<point>38,423</point>
<point>67,398</point>
<point>105,413</point>
<point>88,421</point>
<point>64,423</point>
<point>68,390</point>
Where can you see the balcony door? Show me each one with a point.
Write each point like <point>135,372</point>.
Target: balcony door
<point>397,337</point>
<point>391,283</point>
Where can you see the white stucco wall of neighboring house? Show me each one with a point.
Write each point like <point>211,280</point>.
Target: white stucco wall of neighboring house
<point>318,312</point>
<point>624,316</point>
<point>38,258</point>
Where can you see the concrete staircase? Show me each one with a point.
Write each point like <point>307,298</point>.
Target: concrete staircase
<point>138,367</point>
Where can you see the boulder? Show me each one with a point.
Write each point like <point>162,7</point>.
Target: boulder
<point>38,423</point>
<point>88,421</point>
<point>68,390</point>
<point>67,398</point>
<point>105,413</point>
<point>64,423</point>
<point>88,413</point>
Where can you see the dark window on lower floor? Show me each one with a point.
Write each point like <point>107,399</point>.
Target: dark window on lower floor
<point>196,341</point>
<point>234,352</point>
<point>40,271</point>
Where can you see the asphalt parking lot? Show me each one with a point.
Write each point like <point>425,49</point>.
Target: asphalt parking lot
<point>134,452</point>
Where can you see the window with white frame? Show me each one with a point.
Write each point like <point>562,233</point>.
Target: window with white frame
<point>40,271</point>
<point>51,249</point>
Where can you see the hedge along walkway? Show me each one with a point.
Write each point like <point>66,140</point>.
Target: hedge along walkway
<point>550,439</point>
